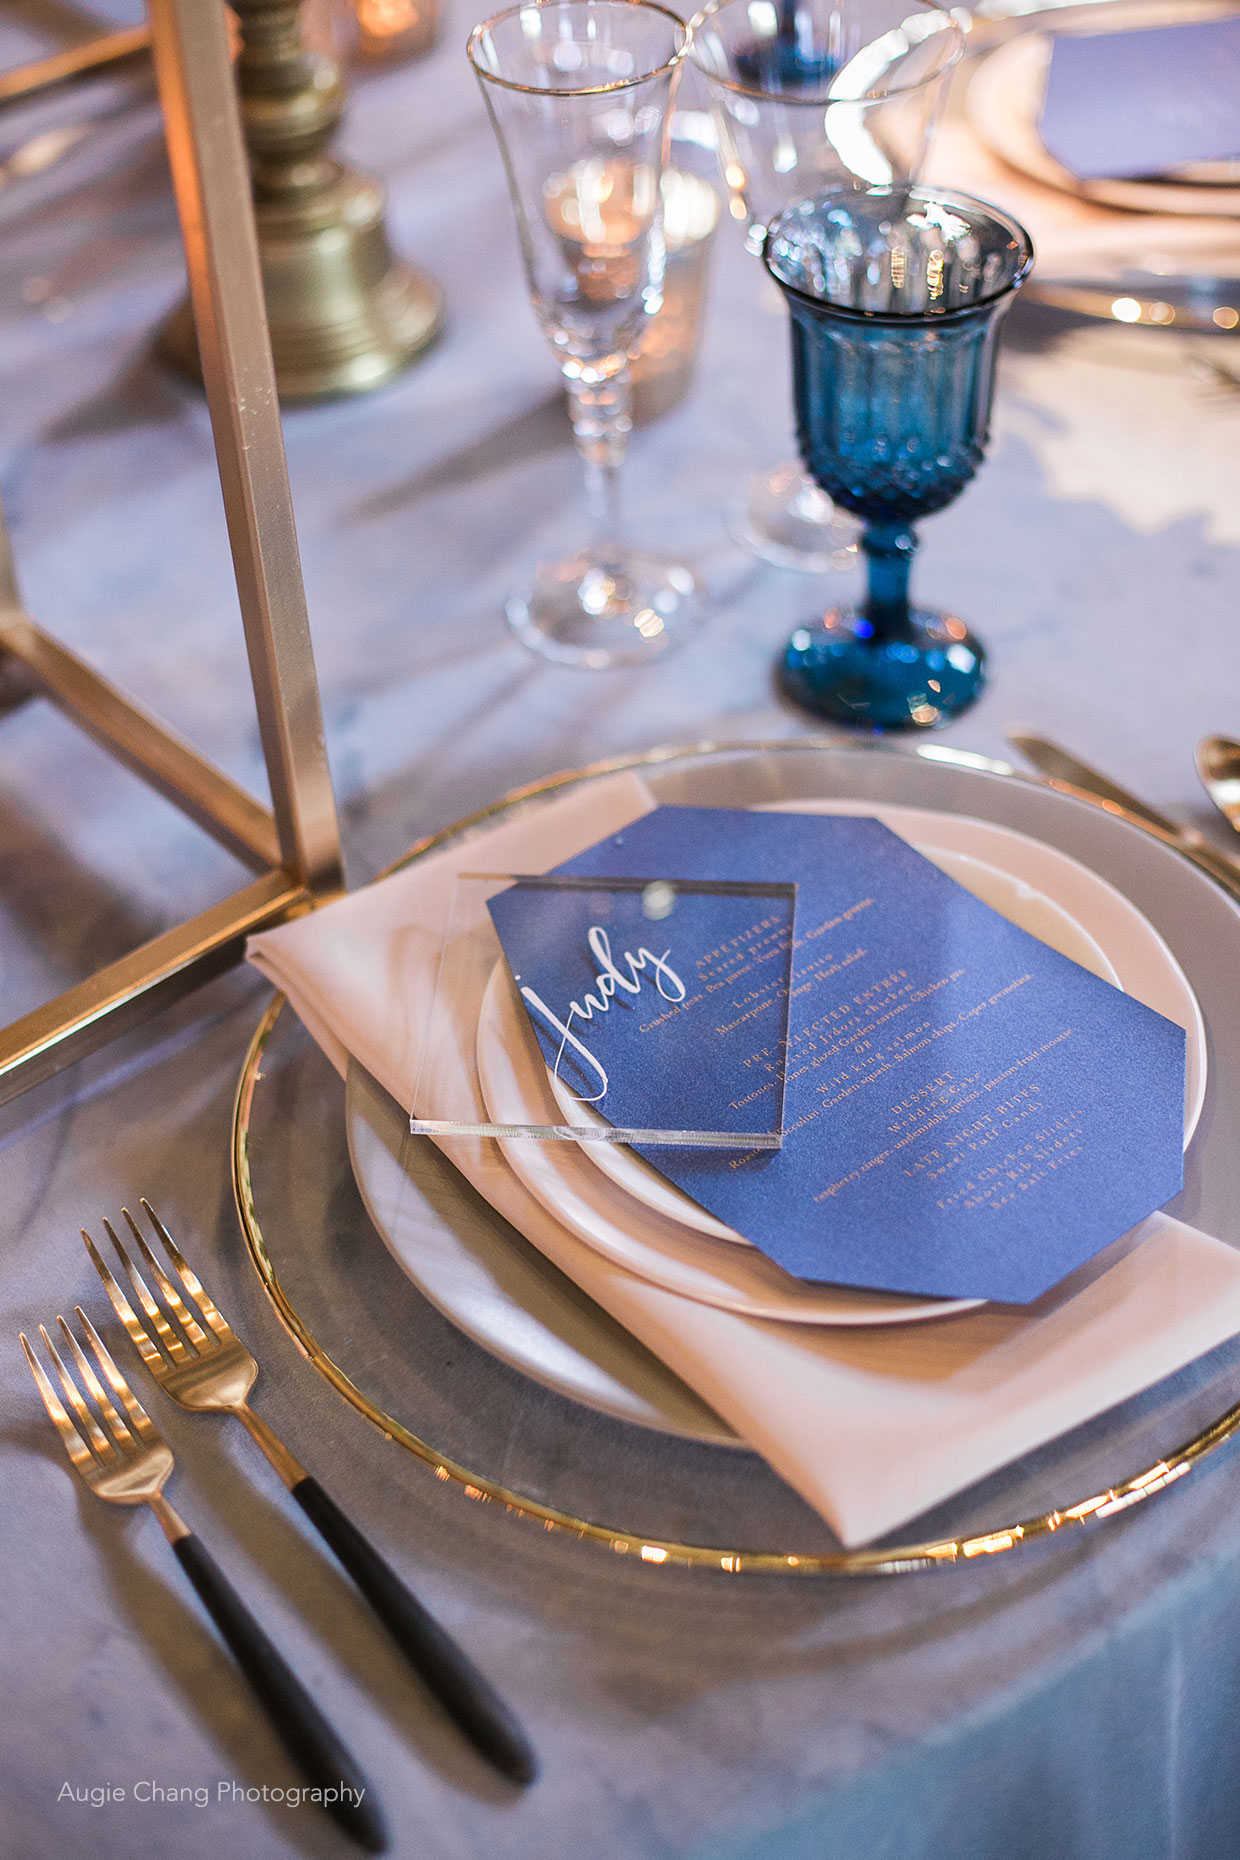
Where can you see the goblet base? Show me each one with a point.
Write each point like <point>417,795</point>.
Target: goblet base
<point>597,615</point>
<point>838,669</point>
<point>788,521</point>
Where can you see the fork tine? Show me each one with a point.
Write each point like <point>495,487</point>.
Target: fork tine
<point>73,1443</point>
<point>122,1434</point>
<point>188,1277</point>
<point>173,1342</point>
<point>139,1420</point>
<point>88,1426</point>
<point>86,1422</point>
<point>139,1336</point>
<point>189,1324</point>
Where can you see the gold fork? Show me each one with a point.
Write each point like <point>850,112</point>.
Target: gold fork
<point>200,1361</point>
<point>115,1447</point>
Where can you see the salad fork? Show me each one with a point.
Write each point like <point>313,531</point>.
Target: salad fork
<point>199,1360</point>
<point>120,1455</point>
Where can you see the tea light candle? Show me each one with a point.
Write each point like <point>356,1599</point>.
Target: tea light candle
<point>396,29</point>
<point>600,210</point>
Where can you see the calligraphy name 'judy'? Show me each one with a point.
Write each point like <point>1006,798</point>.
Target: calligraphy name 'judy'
<point>610,977</point>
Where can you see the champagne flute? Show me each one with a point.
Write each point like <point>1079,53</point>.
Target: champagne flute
<point>808,94</point>
<point>580,94</point>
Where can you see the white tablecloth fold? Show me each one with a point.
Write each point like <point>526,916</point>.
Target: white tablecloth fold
<point>871,1427</point>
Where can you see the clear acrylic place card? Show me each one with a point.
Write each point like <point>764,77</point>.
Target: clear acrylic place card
<point>613,1010</point>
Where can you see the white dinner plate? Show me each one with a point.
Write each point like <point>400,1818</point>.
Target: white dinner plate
<point>658,1246</point>
<point>497,1288</point>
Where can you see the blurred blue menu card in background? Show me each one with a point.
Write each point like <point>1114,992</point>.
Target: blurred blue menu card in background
<point>967,1113</point>
<point>1144,102</point>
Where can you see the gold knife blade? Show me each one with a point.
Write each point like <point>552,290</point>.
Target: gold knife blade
<point>1061,765</point>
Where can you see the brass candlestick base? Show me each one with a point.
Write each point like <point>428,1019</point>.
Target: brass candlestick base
<point>345,315</point>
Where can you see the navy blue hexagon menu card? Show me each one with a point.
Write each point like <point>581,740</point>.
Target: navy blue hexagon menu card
<point>966,1112</point>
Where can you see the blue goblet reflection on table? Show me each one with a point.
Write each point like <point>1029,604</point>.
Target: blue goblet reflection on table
<point>895,297</point>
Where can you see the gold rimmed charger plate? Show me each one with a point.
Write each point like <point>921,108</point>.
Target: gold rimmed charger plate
<point>1109,1501</point>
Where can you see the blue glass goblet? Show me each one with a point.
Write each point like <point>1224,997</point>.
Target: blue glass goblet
<point>895,295</point>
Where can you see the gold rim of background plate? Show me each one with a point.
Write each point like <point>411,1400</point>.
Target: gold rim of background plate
<point>903,1559</point>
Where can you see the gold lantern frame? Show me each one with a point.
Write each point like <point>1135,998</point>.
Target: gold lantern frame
<point>293,846</point>
<point>74,61</point>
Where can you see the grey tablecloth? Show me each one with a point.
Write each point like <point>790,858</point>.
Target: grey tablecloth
<point>1079,1704</point>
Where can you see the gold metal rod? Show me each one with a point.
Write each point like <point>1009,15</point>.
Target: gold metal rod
<point>148,978</point>
<point>143,744</point>
<point>74,61</point>
<point>16,684</point>
<point>9,596</point>
<point>211,179</point>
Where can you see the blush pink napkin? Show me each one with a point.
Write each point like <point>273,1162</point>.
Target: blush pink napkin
<point>871,1427</point>
<point>1073,237</point>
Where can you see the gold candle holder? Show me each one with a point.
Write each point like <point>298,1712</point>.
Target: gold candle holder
<point>345,314</point>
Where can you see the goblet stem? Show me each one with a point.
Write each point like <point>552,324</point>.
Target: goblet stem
<point>889,551</point>
<point>599,405</point>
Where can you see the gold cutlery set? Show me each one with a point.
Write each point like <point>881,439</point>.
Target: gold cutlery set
<point>1218,764</point>
<point>188,1347</point>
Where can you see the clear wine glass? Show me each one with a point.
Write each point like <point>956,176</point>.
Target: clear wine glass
<point>808,94</point>
<point>895,298</point>
<point>580,94</point>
